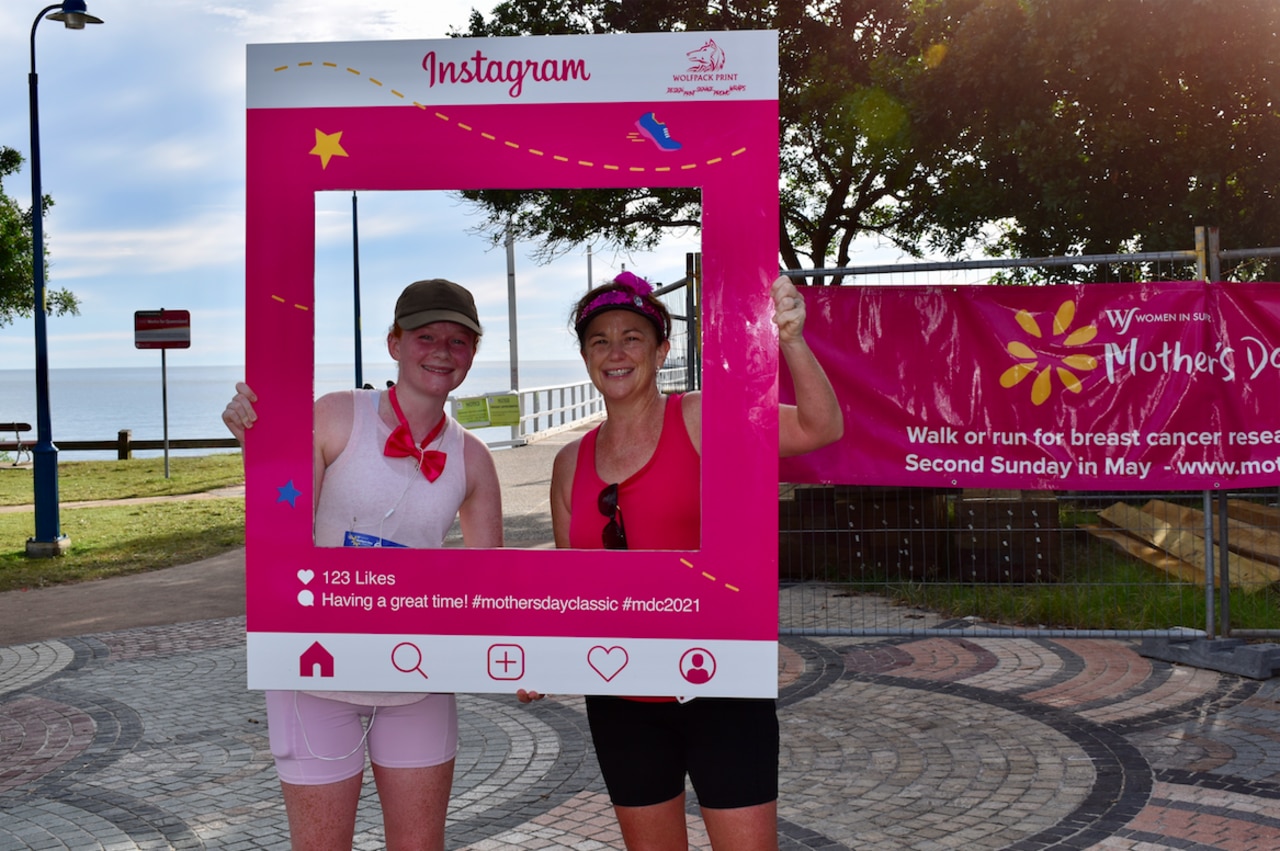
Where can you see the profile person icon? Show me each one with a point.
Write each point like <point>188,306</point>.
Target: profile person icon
<point>697,666</point>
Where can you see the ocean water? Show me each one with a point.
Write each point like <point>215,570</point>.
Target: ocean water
<point>96,404</point>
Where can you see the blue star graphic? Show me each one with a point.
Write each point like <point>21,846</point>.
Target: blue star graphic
<point>289,494</point>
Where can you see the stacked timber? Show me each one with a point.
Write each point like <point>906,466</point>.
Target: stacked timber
<point>1007,536</point>
<point>839,531</point>
<point>1174,538</point>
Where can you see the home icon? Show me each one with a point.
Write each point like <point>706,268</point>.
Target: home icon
<point>315,657</point>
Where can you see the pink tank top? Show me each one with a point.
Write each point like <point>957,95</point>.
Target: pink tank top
<point>661,504</point>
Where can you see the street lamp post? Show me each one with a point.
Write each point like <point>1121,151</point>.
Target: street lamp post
<point>48,540</point>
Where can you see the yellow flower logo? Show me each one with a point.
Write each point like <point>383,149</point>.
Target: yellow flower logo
<point>1065,367</point>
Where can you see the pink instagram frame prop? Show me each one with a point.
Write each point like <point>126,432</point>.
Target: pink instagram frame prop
<point>690,109</point>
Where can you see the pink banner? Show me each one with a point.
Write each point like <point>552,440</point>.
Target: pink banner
<point>1165,386</point>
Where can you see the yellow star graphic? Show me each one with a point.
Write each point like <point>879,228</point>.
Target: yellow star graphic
<point>328,145</point>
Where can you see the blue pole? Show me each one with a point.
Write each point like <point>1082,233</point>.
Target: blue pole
<point>48,539</point>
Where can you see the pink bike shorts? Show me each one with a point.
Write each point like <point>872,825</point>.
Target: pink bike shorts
<point>316,740</point>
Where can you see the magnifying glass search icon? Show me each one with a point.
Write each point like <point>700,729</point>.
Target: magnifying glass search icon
<point>407,658</point>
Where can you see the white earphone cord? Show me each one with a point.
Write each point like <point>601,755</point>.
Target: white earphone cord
<point>303,727</point>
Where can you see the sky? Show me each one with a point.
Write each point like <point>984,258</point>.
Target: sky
<point>142,149</point>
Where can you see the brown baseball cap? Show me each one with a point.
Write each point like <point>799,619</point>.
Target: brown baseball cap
<point>436,300</point>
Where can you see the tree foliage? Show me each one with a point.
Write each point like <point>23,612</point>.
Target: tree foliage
<point>1025,127</point>
<point>1095,127</point>
<point>17,297</point>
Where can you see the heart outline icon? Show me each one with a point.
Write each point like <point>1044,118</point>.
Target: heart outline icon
<point>606,662</point>
<point>306,576</point>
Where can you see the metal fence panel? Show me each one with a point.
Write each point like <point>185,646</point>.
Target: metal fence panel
<point>893,561</point>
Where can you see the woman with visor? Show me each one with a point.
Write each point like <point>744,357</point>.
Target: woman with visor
<point>634,482</point>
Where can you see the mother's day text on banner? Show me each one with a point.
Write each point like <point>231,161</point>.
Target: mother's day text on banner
<point>1172,386</point>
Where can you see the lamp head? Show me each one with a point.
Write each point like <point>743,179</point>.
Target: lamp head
<point>74,15</point>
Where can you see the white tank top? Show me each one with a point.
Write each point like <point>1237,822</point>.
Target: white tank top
<point>367,497</point>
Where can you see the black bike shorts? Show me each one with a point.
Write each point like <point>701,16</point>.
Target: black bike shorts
<point>727,746</point>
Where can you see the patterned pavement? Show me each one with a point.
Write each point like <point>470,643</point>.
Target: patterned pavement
<point>147,739</point>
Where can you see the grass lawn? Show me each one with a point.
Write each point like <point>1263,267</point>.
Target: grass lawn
<point>79,481</point>
<point>121,539</point>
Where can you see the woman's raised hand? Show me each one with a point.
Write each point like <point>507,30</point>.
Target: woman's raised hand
<point>788,310</point>
<point>239,415</point>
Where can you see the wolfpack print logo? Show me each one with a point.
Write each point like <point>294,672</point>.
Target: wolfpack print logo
<point>707,58</point>
<point>1064,366</point>
<point>705,76</point>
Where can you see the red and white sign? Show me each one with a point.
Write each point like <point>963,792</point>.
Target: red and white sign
<point>162,329</point>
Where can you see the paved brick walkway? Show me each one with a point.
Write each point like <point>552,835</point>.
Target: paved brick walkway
<point>147,739</point>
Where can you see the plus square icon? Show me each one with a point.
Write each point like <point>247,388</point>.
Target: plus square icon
<point>506,662</point>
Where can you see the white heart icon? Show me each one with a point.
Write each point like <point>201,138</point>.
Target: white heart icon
<point>607,662</point>
<point>306,576</point>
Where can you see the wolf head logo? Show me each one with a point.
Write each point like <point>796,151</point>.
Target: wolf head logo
<point>709,57</point>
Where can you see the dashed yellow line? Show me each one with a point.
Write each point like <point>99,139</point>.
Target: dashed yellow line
<point>282,301</point>
<point>515,145</point>
<point>728,585</point>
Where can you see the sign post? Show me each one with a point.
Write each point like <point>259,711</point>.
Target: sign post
<point>162,329</point>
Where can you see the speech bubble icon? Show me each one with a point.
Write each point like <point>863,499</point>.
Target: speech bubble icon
<point>306,598</point>
<point>305,576</point>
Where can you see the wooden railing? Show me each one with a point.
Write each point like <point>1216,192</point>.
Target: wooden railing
<point>124,445</point>
<point>542,409</point>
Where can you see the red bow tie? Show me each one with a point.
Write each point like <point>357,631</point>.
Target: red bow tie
<point>400,444</point>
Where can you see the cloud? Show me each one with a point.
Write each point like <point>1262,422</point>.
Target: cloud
<point>210,239</point>
<point>142,139</point>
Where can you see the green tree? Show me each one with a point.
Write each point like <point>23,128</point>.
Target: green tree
<point>1025,127</point>
<point>17,297</point>
<point>842,143</point>
<point>1078,126</point>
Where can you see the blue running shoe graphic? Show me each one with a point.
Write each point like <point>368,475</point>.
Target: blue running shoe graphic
<point>655,131</point>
